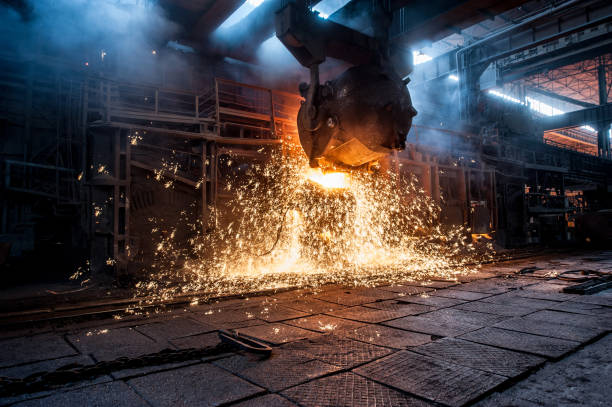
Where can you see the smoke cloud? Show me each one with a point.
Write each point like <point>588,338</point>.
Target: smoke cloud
<point>126,36</point>
<point>437,103</point>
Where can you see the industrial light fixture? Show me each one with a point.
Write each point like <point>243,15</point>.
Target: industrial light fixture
<point>453,77</point>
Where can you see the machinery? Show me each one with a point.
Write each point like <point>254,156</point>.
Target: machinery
<point>363,114</point>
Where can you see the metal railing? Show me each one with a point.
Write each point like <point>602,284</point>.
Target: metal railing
<point>43,180</point>
<point>571,142</point>
<point>118,99</point>
<point>256,111</point>
<point>252,108</point>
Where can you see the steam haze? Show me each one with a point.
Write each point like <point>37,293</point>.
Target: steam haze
<point>103,34</point>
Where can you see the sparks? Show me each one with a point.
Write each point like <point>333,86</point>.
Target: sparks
<point>292,226</point>
<point>327,327</point>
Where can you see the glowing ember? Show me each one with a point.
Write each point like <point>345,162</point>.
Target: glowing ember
<point>327,327</point>
<point>281,230</point>
<point>478,236</point>
<point>329,180</point>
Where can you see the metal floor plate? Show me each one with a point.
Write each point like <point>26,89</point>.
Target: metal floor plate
<point>349,390</point>
<point>110,344</point>
<point>488,358</point>
<point>226,318</point>
<point>582,308</point>
<point>174,328</point>
<point>437,284</point>
<point>345,297</point>
<point>460,294</point>
<point>338,351</point>
<point>364,314</point>
<point>566,318</point>
<point>281,370</point>
<point>407,289</point>
<point>520,341</point>
<point>496,285</point>
<point>312,306</point>
<point>407,308</point>
<point>202,384</point>
<point>389,337</point>
<point>269,400</point>
<point>432,300</point>
<point>33,348</point>
<point>545,291</point>
<point>430,378</point>
<point>274,312</point>
<point>377,293</point>
<point>277,333</point>
<point>325,323</point>
<point>106,394</point>
<point>431,326</point>
<point>513,300</point>
<point>452,315</point>
<point>553,330</point>
<point>604,299</point>
<point>497,309</point>
<point>196,341</point>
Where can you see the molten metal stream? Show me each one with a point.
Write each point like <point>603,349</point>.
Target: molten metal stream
<point>329,180</point>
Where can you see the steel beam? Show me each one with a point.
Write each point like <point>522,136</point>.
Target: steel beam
<point>244,38</point>
<point>522,50</point>
<point>413,21</point>
<point>214,17</point>
<point>594,116</point>
<point>578,52</point>
<point>586,41</point>
<point>438,67</point>
<point>432,20</point>
<point>560,97</point>
<point>602,83</point>
<point>552,24</point>
<point>572,26</point>
<point>311,39</point>
<point>603,128</point>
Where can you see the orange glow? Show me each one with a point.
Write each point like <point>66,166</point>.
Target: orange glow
<point>329,180</point>
<point>477,236</point>
<point>296,227</point>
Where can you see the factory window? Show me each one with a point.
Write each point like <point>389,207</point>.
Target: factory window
<point>241,12</point>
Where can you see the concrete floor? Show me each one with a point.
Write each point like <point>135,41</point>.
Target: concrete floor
<point>495,338</point>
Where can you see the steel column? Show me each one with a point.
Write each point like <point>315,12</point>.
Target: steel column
<point>603,135</point>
